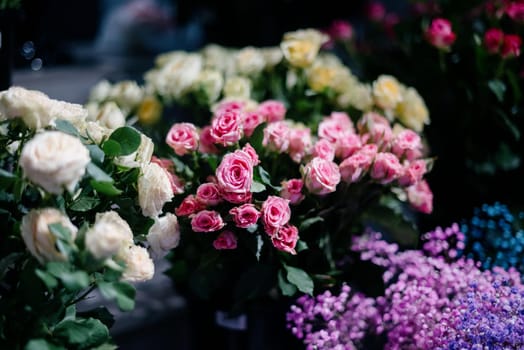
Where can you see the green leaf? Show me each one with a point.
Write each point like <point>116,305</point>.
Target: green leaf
<point>498,88</point>
<point>123,292</point>
<point>256,138</point>
<point>6,178</point>
<point>42,344</point>
<point>84,203</point>
<point>60,232</point>
<point>49,281</point>
<point>96,153</point>
<point>257,187</point>
<point>66,127</point>
<point>82,333</point>
<point>266,178</point>
<point>98,174</point>
<point>100,313</point>
<point>70,313</point>
<point>106,346</point>
<point>300,279</point>
<point>260,245</point>
<point>512,127</point>
<point>304,225</point>
<point>106,188</point>
<point>287,288</point>
<point>111,148</point>
<point>128,138</point>
<point>72,280</point>
<point>301,245</point>
<point>7,261</point>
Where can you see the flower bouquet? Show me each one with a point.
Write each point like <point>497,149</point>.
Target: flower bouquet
<point>79,204</point>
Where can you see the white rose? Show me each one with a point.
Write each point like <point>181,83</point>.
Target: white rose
<point>110,116</point>
<point>237,87</point>
<point>357,96</point>
<point>33,107</point>
<point>74,113</point>
<point>54,160</point>
<point>164,58</point>
<point>249,61</point>
<point>96,132</point>
<point>272,57</point>
<point>127,94</point>
<point>140,157</point>
<point>216,57</point>
<point>301,47</point>
<point>139,266</point>
<point>412,111</point>
<point>177,76</point>
<point>154,190</point>
<point>108,235</point>
<point>387,92</point>
<point>211,82</point>
<point>100,91</point>
<point>37,237</point>
<point>164,235</point>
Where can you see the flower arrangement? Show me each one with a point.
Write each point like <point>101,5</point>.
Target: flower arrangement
<point>80,205</point>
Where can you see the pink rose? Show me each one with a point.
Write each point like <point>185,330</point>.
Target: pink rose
<point>235,173</point>
<point>413,173</point>
<point>272,110</point>
<point>343,119</point>
<point>420,197</point>
<point>250,151</point>
<point>275,214</point>
<point>440,34</point>
<point>332,130</point>
<point>386,168</point>
<point>292,190</point>
<point>493,39</point>
<point>177,185</point>
<point>321,176</point>
<point>407,144</point>
<point>182,138</point>
<point>286,239</point>
<point>225,240</point>
<point>375,11</point>
<point>375,128</point>
<point>208,194</point>
<point>347,145</point>
<point>207,141</point>
<point>245,215</point>
<point>300,143</point>
<point>511,46</point>
<point>341,30</point>
<point>276,136</point>
<point>515,11</point>
<point>324,149</point>
<point>250,122</point>
<point>370,150</point>
<point>228,106</point>
<point>189,205</point>
<point>354,167</point>
<point>207,221</point>
<point>226,127</point>
<point>237,198</point>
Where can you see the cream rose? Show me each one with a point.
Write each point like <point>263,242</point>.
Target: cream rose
<point>100,91</point>
<point>249,61</point>
<point>358,96</point>
<point>140,157</point>
<point>387,92</point>
<point>239,87</point>
<point>177,77</point>
<point>164,235</point>
<point>211,83</point>
<point>108,235</point>
<point>154,189</point>
<point>139,266</point>
<point>412,111</point>
<point>37,236</point>
<point>109,115</point>
<point>272,57</point>
<point>300,48</point>
<point>127,94</point>
<point>31,106</point>
<point>95,132</point>
<point>54,160</point>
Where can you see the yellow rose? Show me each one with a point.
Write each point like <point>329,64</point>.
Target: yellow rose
<point>412,111</point>
<point>301,47</point>
<point>321,77</point>
<point>387,92</point>
<point>358,96</point>
<point>149,111</point>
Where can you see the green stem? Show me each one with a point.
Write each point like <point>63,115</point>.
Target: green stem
<point>442,60</point>
<point>82,296</point>
<point>500,69</point>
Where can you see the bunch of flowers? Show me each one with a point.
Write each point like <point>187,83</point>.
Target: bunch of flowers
<point>80,205</point>
<point>428,302</point>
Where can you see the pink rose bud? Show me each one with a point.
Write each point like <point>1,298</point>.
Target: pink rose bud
<point>275,214</point>
<point>228,106</point>
<point>225,240</point>
<point>245,215</point>
<point>413,173</point>
<point>321,176</point>
<point>182,138</point>
<point>343,119</point>
<point>375,128</point>
<point>493,39</point>
<point>250,122</point>
<point>250,151</point>
<point>354,167</point>
<point>371,150</point>
<point>226,127</point>
<point>440,34</point>
<point>237,198</point>
<point>511,46</point>
<point>272,110</point>
<point>341,30</point>
<point>189,205</point>
<point>324,149</point>
<point>420,197</point>
<point>207,141</point>
<point>407,144</point>
<point>386,168</point>
<point>207,221</point>
<point>347,145</point>
<point>276,136</point>
<point>286,239</point>
<point>235,173</point>
<point>292,190</point>
<point>375,11</point>
<point>335,127</point>
<point>300,143</point>
<point>209,194</point>
<point>515,11</point>
<point>177,185</point>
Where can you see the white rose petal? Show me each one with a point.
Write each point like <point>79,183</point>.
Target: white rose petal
<point>249,61</point>
<point>139,266</point>
<point>37,237</point>
<point>108,235</point>
<point>237,87</point>
<point>127,94</point>
<point>164,235</point>
<point>33,107</point>
<point>54,160</point>
<point>100,91</point>
<point>154,190</point>
<point>110,116</point>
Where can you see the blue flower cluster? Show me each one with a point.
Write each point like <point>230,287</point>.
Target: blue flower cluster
<point>495,237</point>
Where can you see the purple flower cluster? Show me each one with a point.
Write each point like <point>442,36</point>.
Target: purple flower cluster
<point>333,322</point>
<point>447,243</point>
